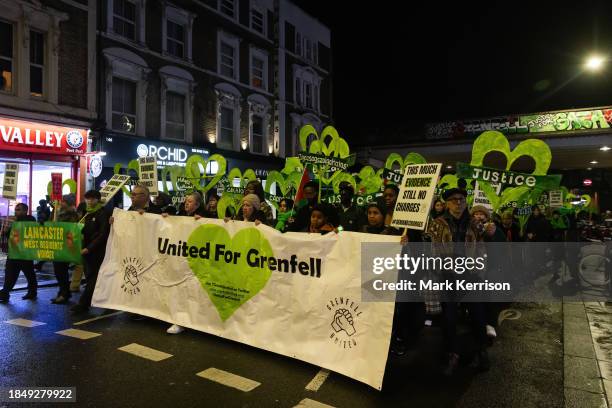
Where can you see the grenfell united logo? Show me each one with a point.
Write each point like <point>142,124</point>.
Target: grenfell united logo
<point>344,316</point>
<point>132,267</point>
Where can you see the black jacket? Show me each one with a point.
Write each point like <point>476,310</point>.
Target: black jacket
<point>95,233</point>
<point>352,219</point>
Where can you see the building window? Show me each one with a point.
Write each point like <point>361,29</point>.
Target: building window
<point>228,7</point>
<point>315,52</point>
<point>298,91</point>
<point>316,98</point>
<point>308,94</point>
<point>298,43</point>
<point>124,105</point>
<point>226,129</point>
<point>175,116</point>
<point>175,39</point>
<point>258,21</point>
<point>259,69</point>
<point>228,55</point>
<point>6,57</point>
<point>37,62</point>
<point>124,18</point>
<point>257,135</point>
<point>308,48</point>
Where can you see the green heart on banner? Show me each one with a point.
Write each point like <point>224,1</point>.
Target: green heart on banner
<point>343,177</point>
<point>228,280</point>
<point>293,165</point>
<point>195,171</point>
<point>494,141</point>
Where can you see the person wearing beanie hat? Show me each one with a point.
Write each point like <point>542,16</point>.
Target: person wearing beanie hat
<point>250,208</point>
<point>481,209</point>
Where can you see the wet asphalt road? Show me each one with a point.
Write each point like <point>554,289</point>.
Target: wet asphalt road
<point>526,359</point>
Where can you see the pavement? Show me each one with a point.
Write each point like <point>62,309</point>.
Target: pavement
<point>116,361</point>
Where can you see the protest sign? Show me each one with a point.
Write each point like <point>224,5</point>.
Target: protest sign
<point>56,186</point>
<point>415,196</point>
<point>555,198</point>
<point>53,241</point>
<point>113,186</point>
<point>293,294</point>
<point>508,178</point>
<point>148,173</point>
<point>9,186</point>
<point>480,197</point>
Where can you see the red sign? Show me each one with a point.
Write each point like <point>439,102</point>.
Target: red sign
<point>587,182</point>
<point>56,182</point>
<point>41,138</point>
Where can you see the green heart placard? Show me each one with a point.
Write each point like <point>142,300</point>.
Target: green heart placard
<point>72,186</point>
<point>494,141</point>
<point>226,275</point>
<point>195,170</point>
<point>228,200</point>
<point>236,173</point>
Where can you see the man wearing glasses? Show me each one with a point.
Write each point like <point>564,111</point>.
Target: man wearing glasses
<point>141,201</point>
<point>449,231</point>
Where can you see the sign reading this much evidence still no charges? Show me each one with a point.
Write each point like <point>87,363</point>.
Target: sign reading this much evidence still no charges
<point>415,196</point>
<point>113,186</point>
<point>148,173</point>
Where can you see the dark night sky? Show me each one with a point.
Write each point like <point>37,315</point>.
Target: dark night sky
<point>399,63</point>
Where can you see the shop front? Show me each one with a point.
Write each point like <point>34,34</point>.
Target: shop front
<point>119,150</point>
<point>40,149</point>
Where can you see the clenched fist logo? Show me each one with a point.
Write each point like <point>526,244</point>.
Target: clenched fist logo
<point>343,320</point>
<point>131,275</point>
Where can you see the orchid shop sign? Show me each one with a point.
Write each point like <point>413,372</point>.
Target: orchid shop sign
<point>562,121</point>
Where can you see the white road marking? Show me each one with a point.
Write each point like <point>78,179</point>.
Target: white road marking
<point>145,352</point>
<point>229,379</point>
<point>308,403</point>
<point>96,318</point>
<point>318,380</point>
<point>78,334</point>
<point>24,322</point>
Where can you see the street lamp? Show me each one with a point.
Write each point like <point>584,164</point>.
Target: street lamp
<point>594,63</point>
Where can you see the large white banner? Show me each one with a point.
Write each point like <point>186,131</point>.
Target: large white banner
<point>294,294</point>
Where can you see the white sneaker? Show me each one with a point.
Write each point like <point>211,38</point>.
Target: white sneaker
<point>174,329</point>
<point>491,332</point>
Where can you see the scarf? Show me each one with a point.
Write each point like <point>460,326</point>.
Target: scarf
<point>94,208</point>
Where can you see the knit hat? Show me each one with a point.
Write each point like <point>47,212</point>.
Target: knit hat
<point>253,200</point>
<point>450,192</point>
<point>69,199</point>
<point>482,209</point>
<point>378,204</point>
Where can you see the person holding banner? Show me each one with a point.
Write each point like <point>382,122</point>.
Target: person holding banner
<point>301,220</point>
<point>96,227</point>
<point>351,217</point>
<point>266,216</point>
<point>13,266</point>
<point>66,213</point>
<point>210,209</point>
<point>320,220</point>
<point>285,211</point>
<point>141,201</point>
<point>250,210</point>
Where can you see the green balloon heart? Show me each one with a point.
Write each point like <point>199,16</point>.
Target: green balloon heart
<point>228,279</point>
<point>174,172</point>
<point>494,141</point>
<point>284,185</point>
<point>329,144</point>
